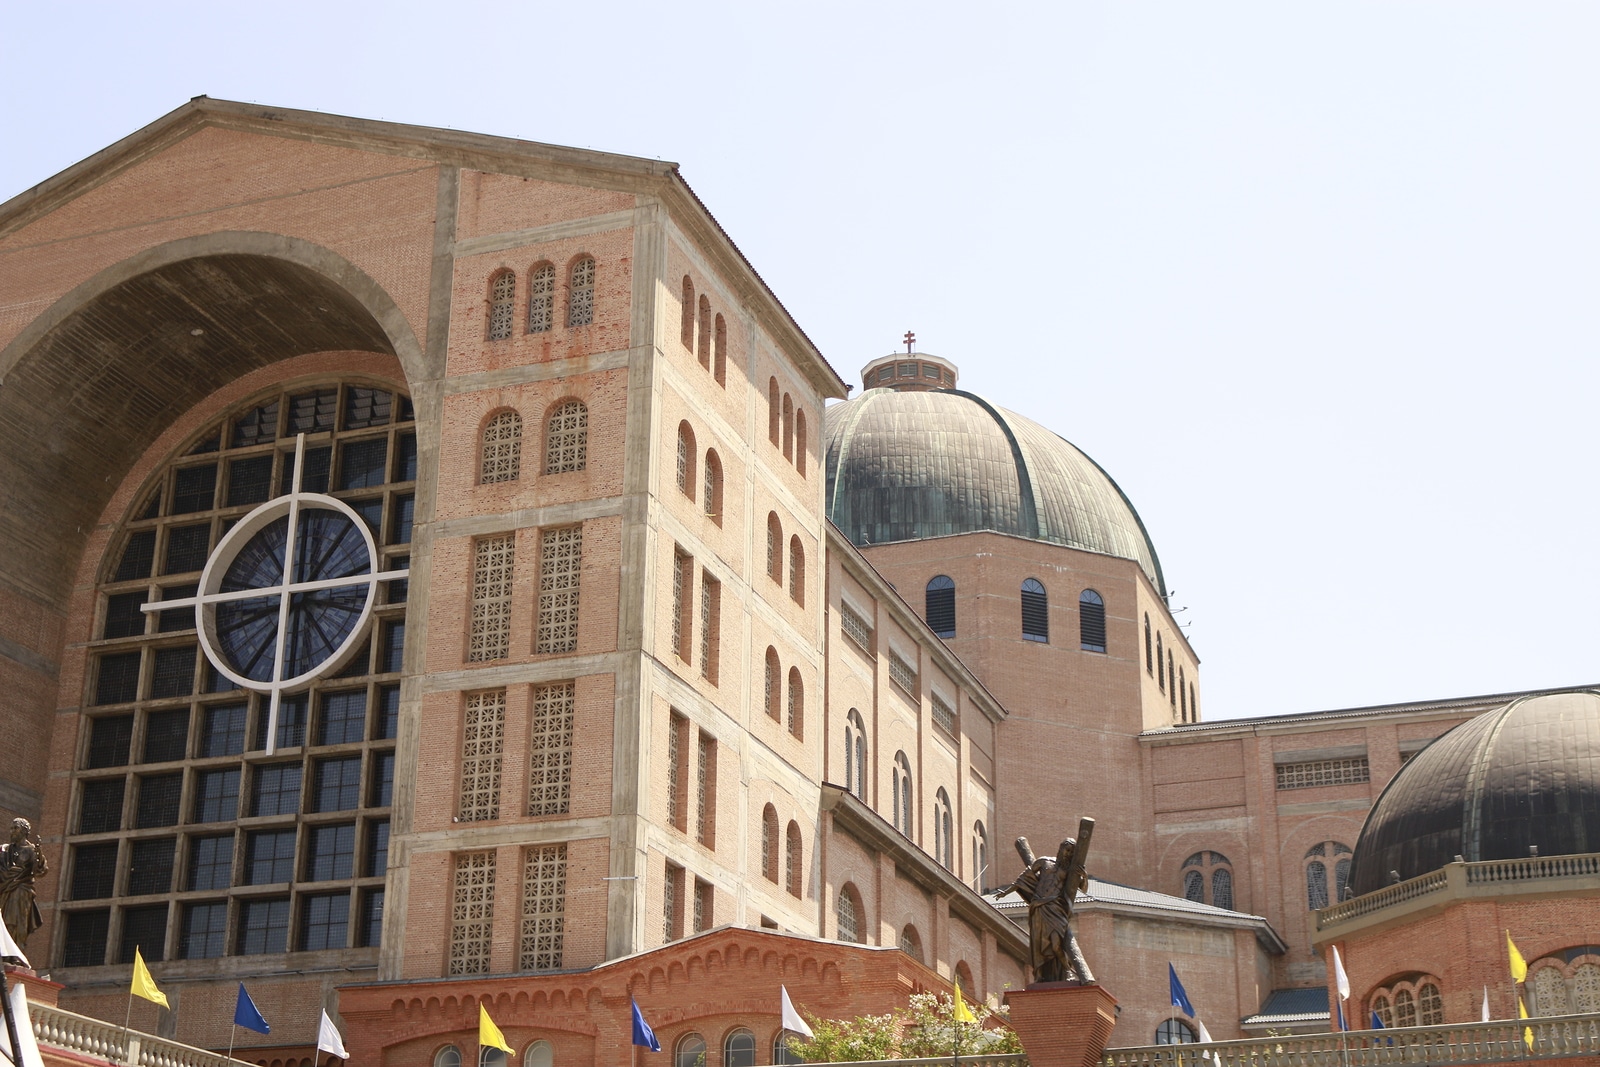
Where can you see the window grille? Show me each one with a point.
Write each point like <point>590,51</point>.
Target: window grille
<point>685,466</point>
<point>502,294</point>
<point>719,367</point>
<point>682,578</point>
<point>772,412</point>
<point>676,728</point>
<point>1091,621</point>
<point>1405,1008</point>
<point>703,906</point>
<point>493,564</point>
<point>774,685</point>
<point>541,298</point>
<point>472,913</point>
<point>856,628</point>
<point>1035,612</point>
<point>939,605</point>
<point>686,320</point>
<point>980,855</point>
<point>1586,988</point>
<point>550,758</point>
<point>910,943</point>
<point>1172,676</point>
<point>774,547</point>
<point>704,338</point>
<point>902,793</point>
<point>710,610</point>
<point>481,741</point>
<point>1222,888</point>
<point>1323,772</point>
<point>788,427</point>
<point>1161,668</point>
<point>797,703</point>
<point>943,828</point>
<point>670,894</point>
<point>800,446</point>
<point>1194,887</point>
<point>544,904</point>
<point>1149,667</point>
<point>706,793</point>
<point>903,675</point>
<point>580,297</point>
<point>795,851</point>
<point>711,494</point>
<point>566,440</point>
<point>501,460</point>
<point>848,917</point>
<point>1431,1005</point>
<point>769,843</point>
<point>560,565</point>
<point>1380,1005</point>
<point>797,571</point>
<point>855,754</point>
<point>944,716</point>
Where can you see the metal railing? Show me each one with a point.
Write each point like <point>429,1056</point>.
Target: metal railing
<point>1468,1043</point>
<point>62,1029</point>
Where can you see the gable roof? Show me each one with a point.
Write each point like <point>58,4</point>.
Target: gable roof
<point>450,148</point>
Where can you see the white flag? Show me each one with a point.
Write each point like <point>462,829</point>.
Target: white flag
<point>1340,979</point>
<point>30,1047</point>
<point>791,1018</point>
<point>9,949</point>
<point>1485,1003</point>
<point>328,1039</point>
<point>1205,1037</point>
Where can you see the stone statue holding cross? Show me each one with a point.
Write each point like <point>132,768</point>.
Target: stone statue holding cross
<point>1049,886</point>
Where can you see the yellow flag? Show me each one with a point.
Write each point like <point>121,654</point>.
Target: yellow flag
<point>143,985</point>
<point>489,1035</point>
<point>1519,966</point>
<point>960,1012</point>
<point>1522,1013</point>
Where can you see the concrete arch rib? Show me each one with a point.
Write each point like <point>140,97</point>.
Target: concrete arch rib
<point>90,383</point>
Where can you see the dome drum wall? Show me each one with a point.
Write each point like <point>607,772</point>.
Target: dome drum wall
<point>1525,776</point>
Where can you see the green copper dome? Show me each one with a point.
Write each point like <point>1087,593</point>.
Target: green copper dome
<point>906,465</point>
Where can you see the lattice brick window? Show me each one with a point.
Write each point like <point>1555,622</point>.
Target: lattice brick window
<point>542,299</point>
<point>502,294</point>
<point>856,628</point>
<point>769,843</point>
<point>550,756</point>
<point>671,893</point>
<point>472,913</point>
<point>682,578</point>
<point>702,905</point>
<point>1586,988</point>
<point>544,903</point>
<point>774,685</point>
<point>797,703</point>
<point>566,441</point>
<point>501,458</point>
<point>710,619</point>
<point>482,740</point>
<point>677,738</point>
<point>903,674</point>
<point>1323,772</point>
<point>944,716</point>
<point>580,298</point>
<point>560,563</point>
<point>706,793</point>
<point>493,562</point>
<point>795,856</point>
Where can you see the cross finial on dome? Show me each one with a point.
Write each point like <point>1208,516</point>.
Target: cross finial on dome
<point>910,339</point>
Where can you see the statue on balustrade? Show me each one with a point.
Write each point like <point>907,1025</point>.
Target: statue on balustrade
<point>21,863</point>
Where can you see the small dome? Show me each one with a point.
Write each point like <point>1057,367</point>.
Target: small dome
<point>1527,774</point>
<point>904,465</point>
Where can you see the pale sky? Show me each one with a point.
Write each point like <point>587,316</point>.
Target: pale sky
<point>1316,283</point>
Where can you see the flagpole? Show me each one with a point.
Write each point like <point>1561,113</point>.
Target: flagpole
<point>233,1032</point>
<point>11,1019</point>
<point>127,1043</point>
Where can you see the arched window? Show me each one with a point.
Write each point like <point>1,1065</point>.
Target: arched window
<point>1149,665</point>
<point>686,460</point>
<point>686,318</point>
<point>1171,676</point>
<point>1322,884</point>
<point>855,754</point>
<point>1383,1010</point>
<point>797,703</point>
<point>492,1057</point>
<point>980,856</point>
<point>539,1054</point>
<point>711,498</point>
<point>739,1049</point>
<point>788,427</point>
<point>580,296</point>
<point>939,605</point>
<point>1035,612</point>
<point>1161,668</point>
<point>1405,1008</point>
<point>796,858</point>
<point>773,406</point>
<point>911,942</point>
<point>774,689</point>
<point>500,459</point>
<point>566,438</point>
<point>690,1051</point>
<point>1175,1032</point>
<point>848,911</point>
<point>782,1055</point>
<point>719,352</point>
<point>1091,621</point>
<point>797,571</point>
<point>1194,704</point>
<point>502,296</point>
<point>1183,698</point>
<point>703,342</point>
<point>1211,871</point>
<point>943,851</point>
<point>1566,982</point>
<point>800,441</point>
<point>449,1056</point>
<point>774,547</point>
<point>542,298</point>
<point>902,793</point>
<point>769,843</point>
<point>1430,1005</point>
